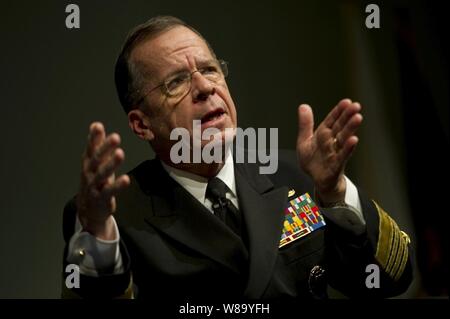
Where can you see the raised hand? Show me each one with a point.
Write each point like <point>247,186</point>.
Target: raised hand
<point>323,153</point>
<point>98,186</point>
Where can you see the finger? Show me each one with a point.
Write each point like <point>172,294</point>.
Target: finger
<point>91,193</point>
<point>336,112</point>
<point>115,188</point>
<point>305,123</point>
<point>105,150</point>
<point>349,129</point>
<point>347,149</point>
<point>110,143</point>
<point>349,111</point>
<point>95,137</point>
<point>109,167</point>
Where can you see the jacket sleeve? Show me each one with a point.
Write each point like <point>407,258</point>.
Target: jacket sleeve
<point>371,260</point>
<point>106,285</point>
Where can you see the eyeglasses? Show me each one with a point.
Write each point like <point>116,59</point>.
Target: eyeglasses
<point>178,85</point>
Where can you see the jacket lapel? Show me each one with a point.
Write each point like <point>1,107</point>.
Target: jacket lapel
<point>176,213</point>
<point>262,206</point>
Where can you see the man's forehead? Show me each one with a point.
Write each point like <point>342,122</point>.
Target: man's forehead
<point>171,48</point>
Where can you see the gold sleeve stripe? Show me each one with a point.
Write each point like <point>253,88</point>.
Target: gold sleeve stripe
<point>404,260</point>
<point>406,236</point>
<point>392,245</point>
<point>385,239</point>
<point>393,252</point>
<point>402,263</point>
<point>397,250</point>
<point>402,255</point>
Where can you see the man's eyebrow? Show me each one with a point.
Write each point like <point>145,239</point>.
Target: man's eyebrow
<point>176,71</point>
<point>205,62</point>
<point>182,69</point>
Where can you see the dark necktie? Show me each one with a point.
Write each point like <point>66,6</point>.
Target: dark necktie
<point>223,208</point>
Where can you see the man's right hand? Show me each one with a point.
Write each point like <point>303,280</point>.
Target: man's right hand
<point>96,199</point>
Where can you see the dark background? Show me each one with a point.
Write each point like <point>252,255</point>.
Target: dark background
<point>55,81</point>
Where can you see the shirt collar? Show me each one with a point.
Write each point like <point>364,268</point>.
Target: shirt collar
<point>196,185</point>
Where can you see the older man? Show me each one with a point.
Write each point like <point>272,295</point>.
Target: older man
<point>220,229</point>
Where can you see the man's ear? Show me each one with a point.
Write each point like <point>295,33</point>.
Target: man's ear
<point>140,124</point>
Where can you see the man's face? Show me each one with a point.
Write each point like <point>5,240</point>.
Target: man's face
<point>172,52</point>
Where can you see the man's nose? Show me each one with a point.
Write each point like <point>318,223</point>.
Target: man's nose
<point>202,88</point>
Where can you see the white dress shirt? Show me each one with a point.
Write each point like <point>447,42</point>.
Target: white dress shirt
<point>196,185</point>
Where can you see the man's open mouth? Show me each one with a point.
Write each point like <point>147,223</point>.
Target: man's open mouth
<point>213,115</point>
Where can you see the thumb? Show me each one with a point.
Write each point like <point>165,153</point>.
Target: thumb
<point>305,123</point>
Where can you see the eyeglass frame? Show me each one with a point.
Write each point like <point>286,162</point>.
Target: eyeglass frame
<point>223,68</point>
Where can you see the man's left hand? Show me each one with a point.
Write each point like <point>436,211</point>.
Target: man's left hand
<point>323,153</point>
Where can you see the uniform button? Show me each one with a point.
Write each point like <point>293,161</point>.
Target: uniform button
<point>317,282</point>
<point>81,252</point>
